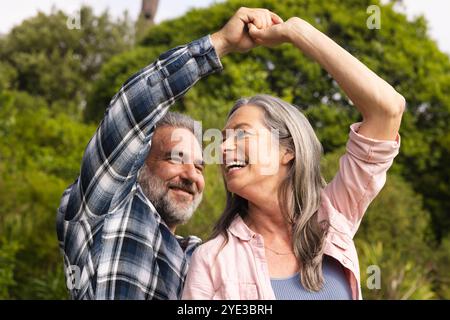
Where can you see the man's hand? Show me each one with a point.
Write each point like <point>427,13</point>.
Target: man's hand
<point>234,36</point>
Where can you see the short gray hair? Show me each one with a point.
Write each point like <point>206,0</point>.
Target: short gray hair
<point>179,120</point>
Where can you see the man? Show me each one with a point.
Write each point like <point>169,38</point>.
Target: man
<point>142,176</point>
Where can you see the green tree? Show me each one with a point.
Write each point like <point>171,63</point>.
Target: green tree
<point>8,76</point>
<point>8,251</point>
<point>40,154</point>
<point>59,63</point>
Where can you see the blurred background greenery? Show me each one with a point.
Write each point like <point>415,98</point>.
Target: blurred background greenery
<point>55,84</point>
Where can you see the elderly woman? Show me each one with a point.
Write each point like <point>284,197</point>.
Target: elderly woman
<point>288,235</point>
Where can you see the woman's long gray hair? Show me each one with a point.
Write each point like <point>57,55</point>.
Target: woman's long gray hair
<point>299,194</point>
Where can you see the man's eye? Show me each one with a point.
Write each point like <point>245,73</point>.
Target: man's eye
<point>176,160</point>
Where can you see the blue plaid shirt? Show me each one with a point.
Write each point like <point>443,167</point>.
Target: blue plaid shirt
<point>107,229</point>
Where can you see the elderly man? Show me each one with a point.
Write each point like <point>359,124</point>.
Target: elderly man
<point>141,176</point>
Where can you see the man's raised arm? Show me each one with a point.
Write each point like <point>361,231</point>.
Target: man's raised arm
<point>120,145</point>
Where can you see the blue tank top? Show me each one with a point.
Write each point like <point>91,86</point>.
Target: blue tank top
<point>335,287</point>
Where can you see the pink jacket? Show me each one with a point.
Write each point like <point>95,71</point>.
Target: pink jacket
<point>240,271</point>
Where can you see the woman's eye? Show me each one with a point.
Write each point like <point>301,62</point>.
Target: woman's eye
<point>241,134</point>
<point>236,135</point>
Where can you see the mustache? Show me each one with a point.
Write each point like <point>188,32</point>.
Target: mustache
<point>185,186</point>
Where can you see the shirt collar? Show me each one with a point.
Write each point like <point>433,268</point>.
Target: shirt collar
<point>239,229</point>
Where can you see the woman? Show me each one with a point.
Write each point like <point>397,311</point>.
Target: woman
<point>288,235</point>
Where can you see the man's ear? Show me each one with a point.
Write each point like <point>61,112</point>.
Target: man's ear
<point>287,156</point>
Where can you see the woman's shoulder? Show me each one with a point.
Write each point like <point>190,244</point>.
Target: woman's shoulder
<point>226,245</point>
<point>209,249</point>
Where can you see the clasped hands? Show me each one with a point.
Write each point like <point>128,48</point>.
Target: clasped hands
<point>249,28</point>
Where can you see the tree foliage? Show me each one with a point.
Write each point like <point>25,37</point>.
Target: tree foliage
<point>58,63</point>
<point>40,155</point>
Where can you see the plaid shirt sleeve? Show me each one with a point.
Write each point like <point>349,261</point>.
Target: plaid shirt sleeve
<point>120,145</point>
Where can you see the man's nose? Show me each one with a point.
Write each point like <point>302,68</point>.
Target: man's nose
<point>190,173</point>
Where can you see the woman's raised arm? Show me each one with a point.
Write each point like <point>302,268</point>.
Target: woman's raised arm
<point>380,105</point>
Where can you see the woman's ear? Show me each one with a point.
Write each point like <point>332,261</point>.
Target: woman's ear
<point>288,155</point>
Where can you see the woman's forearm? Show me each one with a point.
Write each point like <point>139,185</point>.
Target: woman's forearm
<point>370,94</point>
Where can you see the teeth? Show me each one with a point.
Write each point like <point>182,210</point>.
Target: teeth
<point>235,165</point>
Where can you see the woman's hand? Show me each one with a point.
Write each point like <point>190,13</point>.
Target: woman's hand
<point>275,34</point>
<point>234,36</point>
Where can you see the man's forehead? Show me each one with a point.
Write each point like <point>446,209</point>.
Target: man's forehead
<point>177,139</point>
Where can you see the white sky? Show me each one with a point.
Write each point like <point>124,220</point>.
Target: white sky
<point>437,12</point>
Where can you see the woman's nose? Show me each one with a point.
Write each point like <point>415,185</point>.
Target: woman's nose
<point>227,148</point>
<point>229,144</point>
